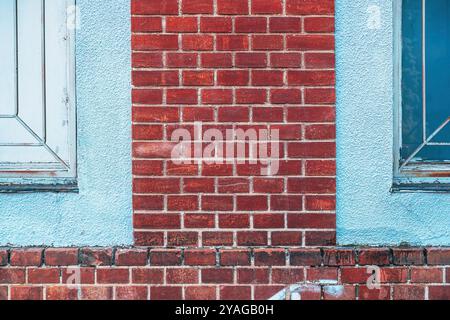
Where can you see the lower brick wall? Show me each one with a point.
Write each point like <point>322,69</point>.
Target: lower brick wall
<point>155,274</point>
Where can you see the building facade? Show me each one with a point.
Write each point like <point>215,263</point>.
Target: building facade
<point>225,149</point>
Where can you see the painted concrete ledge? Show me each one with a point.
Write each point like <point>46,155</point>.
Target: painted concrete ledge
<point>238,273</point>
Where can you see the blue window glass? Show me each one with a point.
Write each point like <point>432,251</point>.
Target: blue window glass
<point>425,84</point>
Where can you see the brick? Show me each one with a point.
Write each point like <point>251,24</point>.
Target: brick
<point>251,96</point>
<point>374,294</point>
<point>96,293</point>
<point>339,292</point>
<point>322,274</point>
<point>149,42</point>
<point>131,293</point>
<point>216,60</point>
<point>253,275</point>
<point>131,257</point>
<point>147,276</point>
<point>252,203</point>
<point>285,60</point>
<point>311,78</point>
<point>148,238</point>
<point>26,293</point>
<point>3,257</point>
<point>165,293</point>
<point>270,257</point>
<point>157,221</point>
<point>235,258</point>
<point>156,7</point>
<point>339,257</point>
<point>311,221</point>
<point>182,239</point>
<point>233,7</point>
<point>61,293</point>
<point>232,42</point>
<point>287,275</point>
<point>267,42</point>
<point>181,24</point>
<point>285,96</point>
<point>427,275</point>
<point>408,256</point>
<point>320,238</point>
<point>146,24</point>
<point>285,25</point>
<point>305,257</point>
<point>182,276</point>
<point>147,60</point>
<point>61,256</point>
<point>200,257</point>
<point>250,25</point>
<point>165,257</point>
<point>233,77</point>
<point>235,293</point>
<point>200,293</point>
<point>310,7</point>
<point>409,292</point>
<point>43,275</point>
<point>26,257</point>
<point>234,221</point>
<point>78,275</point>
<point>439,292</point>
<point>438,256</point>
<point>267,78</point>
<point>310,42</point>
<point>267,7</point>
<point>197,6</point>
<point>181,60</point>
<point>319,24</point>
<point>251,60</point>
<point>252,238</point>
<point>217,238</point>
<point>320,96</point>
<point>96,256</point>
<point>217,203</point>
<point>199,221</point>
<point>219,276</point>
<point>216,24</point>
<point>269,221</point>
<point>266,292</point>
<point>287,238</point>
<point>374,256</point>
<point>3,293</point>
<point>197,42</point>
<point>320,168</point>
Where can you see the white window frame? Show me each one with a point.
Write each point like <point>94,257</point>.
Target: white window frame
<point>47,156</point>
<point>412,177</point>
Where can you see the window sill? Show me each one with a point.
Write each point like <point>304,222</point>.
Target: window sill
<point>420,188</point>
<point>62,187</point>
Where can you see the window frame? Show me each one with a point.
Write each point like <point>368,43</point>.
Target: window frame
<point>43,177</point>
<point>420,177</point>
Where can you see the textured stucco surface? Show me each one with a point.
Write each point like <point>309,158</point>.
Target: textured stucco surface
<point>367,212</point>
<point>101,213</point>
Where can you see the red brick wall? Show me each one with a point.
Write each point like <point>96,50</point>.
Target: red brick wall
<point>247,64</point>
<point>140,273</point>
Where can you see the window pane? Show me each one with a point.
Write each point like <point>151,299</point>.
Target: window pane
<point>425,126</point>
<point>7,58</point>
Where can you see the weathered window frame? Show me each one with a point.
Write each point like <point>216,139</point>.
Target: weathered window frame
<point>59,174</point>
<point>415,177</point>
